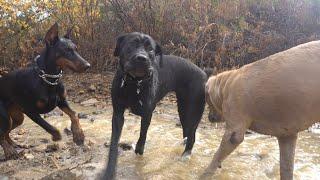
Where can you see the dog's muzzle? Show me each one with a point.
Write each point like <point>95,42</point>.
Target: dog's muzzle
<point>138,66</point>
<point>215,117</point>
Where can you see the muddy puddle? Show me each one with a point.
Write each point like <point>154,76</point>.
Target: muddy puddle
<point>256,158</point>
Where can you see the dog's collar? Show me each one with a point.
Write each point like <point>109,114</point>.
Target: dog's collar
<point>127,78</point>
<point>138,81</point>
<point>44,76</point>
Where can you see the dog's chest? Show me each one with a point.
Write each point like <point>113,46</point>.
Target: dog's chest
<point>135,99</point>
<point>40,100</point>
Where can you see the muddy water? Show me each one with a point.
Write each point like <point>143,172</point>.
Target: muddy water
<point>256,158</point>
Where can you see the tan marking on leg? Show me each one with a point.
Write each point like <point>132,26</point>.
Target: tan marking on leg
<point>78,136</point>
<point>16,116</point>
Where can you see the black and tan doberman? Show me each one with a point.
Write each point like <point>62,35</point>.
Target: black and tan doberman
<point>37,89</point>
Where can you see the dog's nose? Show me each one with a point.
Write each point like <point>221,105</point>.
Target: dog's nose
<point>87,66</point>
<point>141,58</point>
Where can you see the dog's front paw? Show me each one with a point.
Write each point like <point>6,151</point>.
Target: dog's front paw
<point>56,136</point>
<point>78,135</point>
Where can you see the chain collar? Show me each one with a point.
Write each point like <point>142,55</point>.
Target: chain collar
<point>43,75</point>
<point>129,79</point>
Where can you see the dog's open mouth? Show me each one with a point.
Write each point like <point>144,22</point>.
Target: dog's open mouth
<point>141,74</point>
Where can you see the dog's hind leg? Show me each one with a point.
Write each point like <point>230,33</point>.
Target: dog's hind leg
<point>17,118</point>
<point>190,107</point>
<point>5,127</point>
<point>145,122</point>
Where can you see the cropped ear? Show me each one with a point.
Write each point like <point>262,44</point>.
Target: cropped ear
<point>52,35</point>
<point>68,34</point>
<point>158,52</point>
<point>120,40</point>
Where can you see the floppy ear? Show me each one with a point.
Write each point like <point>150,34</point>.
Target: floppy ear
<point>120,39</point>
<point>158,52</point>
<point>68,34</point>
<point>52,35</point>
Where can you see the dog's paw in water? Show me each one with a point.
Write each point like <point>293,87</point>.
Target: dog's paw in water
<point>186,156</point>
<point>139,149</point>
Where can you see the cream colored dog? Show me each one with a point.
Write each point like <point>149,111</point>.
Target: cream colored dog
<point>278,96</point>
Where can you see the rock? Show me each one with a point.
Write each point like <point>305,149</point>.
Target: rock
<point>29,156</point>
<point>52,147</point>
<point>67,131</point>
<point>21,131</point>
<point>55,112</point>
<point>91,143</point>
<point>43,140</point>
<point>92,88</point>
<point>83,116</point>
<point>125,146</point>
<point>89,102</point>
<point>92,119</point>
<point>106,145</point>
<point>178,124</point>
<point>97,112</point>
<point>40,148</point>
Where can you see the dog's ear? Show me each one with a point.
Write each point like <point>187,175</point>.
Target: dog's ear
<point>120,40</point>
<point>52,35</point>
<point>158,52</point>
<point>68,34</point>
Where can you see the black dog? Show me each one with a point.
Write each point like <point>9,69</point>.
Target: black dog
<point>143,78</point>
<point>37,89</point>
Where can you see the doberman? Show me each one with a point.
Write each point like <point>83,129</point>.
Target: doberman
<point>37,90</point>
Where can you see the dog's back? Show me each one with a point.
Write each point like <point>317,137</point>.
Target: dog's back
<point>181,73</point>
<point>280,94</point>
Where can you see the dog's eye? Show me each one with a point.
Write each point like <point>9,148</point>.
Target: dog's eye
<point>69,51</point>
<point>148,46</point>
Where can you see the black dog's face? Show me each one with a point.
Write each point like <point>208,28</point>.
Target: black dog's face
<point>64,52</point>
<point>214,115</point>
<point>137,52</point>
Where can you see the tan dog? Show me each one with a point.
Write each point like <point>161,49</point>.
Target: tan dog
<point>278,96</point>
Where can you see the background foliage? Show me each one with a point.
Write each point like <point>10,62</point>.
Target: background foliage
<point>211,33</point>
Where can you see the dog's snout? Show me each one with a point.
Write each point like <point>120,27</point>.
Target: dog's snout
<point>141,58</point>
<point>87,65</point>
